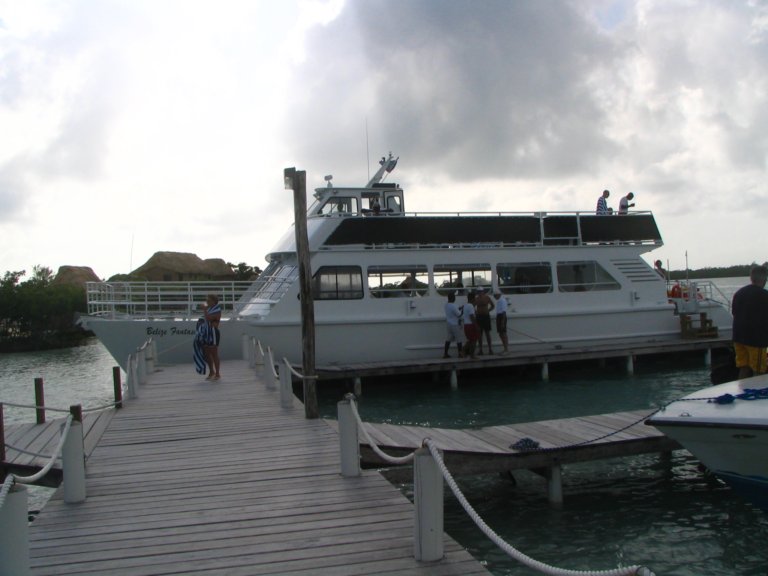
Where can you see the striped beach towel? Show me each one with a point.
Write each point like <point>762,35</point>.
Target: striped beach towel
<point>203,337</point>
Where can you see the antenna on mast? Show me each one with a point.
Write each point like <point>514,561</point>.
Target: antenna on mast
<point>387,165</point>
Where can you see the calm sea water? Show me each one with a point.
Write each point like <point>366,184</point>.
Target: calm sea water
<point>640,510</point>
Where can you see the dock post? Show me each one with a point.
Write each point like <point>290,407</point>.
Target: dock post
<point>357,386</point>
<point>286,386</point>
<point>132,386</point>
<point>258,352</point>
<point>118,385</point>
<point>39,401</point>
<point>555,485</point>
<point>141,366</point>
<point>630,365</point>
<point>708,357</point>
<point>2,435</point>
<point>150,357</point>
<point>14,532</point>
<point>73,459</point>
<point>349,442</point>
<point>545,371</point>
<point>454,380</point>
<point>246,349</point>
<point>428,504</point>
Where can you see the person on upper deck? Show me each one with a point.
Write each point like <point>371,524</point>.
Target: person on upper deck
<point>750,324</point>
<point>602,204</point>
<point>624,204</point>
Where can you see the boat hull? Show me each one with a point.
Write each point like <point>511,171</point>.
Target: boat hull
<point>173,338</point>
<point>730,439</point>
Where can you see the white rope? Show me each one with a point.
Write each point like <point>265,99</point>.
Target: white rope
<point>386,457</point>
<point>6,487</point>
<point>63,410</point>
<point>33,407</point>
<point>56,454</point>
<point>509,549</point>
<point>28,453</point>
<point>297,374</point>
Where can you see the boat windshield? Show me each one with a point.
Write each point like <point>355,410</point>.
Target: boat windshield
<point>267,289</point>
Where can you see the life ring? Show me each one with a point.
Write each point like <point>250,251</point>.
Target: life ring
<point>675,292</point>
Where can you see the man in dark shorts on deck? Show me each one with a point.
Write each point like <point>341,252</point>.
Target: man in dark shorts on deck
<point>483,306</point>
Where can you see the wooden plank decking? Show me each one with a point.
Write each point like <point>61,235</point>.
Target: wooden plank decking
<point>43,439</point>
<point>195,477</point>
<point>567,440</point>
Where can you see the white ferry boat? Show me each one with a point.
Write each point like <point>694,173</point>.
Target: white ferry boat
<point>380,276</point>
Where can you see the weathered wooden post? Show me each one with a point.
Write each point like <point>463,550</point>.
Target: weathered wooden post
<point>118,385</point>
<point>14,533</point>
<point>73,459</point>
<point>297,181</point>
<point>428,504</point>
<point>39,401</point>
<point>554,477</point>
<point>349,442</point>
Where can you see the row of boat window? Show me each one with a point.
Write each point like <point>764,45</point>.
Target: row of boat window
<point>346,282</point>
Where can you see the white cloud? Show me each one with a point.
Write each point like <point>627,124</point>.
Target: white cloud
<point>165,125</point>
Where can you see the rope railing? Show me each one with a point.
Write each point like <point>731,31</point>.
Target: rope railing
<point>429,521</point>
<point>14,532</point>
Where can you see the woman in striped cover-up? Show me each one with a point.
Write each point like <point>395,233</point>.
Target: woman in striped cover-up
<point>212,313</point>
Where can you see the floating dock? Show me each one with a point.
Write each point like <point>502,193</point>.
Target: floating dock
<point>198,477</point>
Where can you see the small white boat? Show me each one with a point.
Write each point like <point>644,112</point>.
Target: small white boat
<point>726,428</point>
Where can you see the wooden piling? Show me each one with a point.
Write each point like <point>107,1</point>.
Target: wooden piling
<point>118,384</point>
<point>39,401</point>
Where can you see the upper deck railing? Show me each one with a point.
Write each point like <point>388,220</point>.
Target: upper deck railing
<point>160,299</point>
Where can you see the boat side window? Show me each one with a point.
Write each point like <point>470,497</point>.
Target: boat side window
<point>393,204</point>
<point>340,205</point>
<point>584,276</point>
<point>453,277</point>
<point>398,281</point>
<point>338,283</point>
<point>524,277</point>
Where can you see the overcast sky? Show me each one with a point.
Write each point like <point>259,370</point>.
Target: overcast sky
<point>130,127</point>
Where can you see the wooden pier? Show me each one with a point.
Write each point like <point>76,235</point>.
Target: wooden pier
<point>490,449</point>
<point>197,477</point>
<point>540,354</point>
<point>42,439</point>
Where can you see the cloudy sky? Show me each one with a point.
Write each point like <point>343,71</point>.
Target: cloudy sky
<point>132,126</point>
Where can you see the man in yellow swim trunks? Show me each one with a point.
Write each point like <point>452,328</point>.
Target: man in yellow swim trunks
<point>750,324</point>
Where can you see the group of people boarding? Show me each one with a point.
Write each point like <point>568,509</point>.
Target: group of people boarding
<point>469,323</point>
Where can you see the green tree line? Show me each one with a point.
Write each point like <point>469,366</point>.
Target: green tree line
<point>37,314</point>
